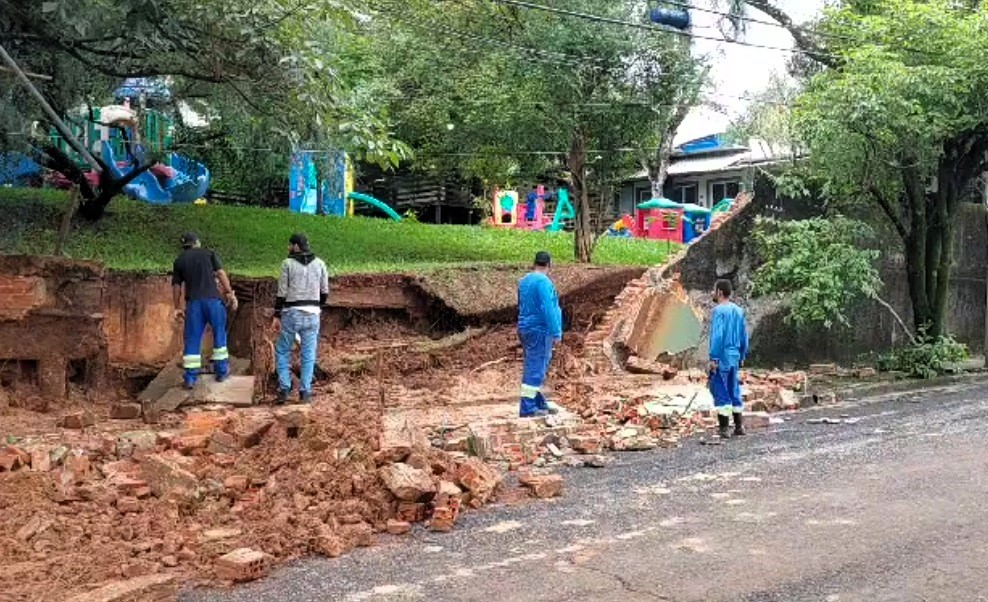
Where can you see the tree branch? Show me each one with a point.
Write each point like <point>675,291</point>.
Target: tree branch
<point>803,41</point>
<point>890,211</point>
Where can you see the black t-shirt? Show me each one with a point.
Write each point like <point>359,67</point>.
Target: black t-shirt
<point>196,269</point>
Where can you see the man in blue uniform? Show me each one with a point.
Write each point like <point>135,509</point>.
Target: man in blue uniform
<point>199,301</point>
<point>540,327</point>
<point>728,350</point>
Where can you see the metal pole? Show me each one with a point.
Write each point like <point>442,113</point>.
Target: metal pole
<point>55,119</point>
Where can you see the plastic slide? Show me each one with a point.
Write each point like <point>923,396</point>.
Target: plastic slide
<point>190,182</point>
<point>363,198</point>
<point>564,211</point>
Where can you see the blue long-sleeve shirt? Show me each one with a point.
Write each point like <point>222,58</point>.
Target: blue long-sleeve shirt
<point>728,336</point>
<point>538,306</point>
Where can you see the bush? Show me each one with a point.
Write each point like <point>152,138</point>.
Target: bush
<point>926,358</point>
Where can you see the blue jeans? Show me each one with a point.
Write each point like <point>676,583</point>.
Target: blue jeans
<point>537,353</point>
<point>199,313</point>
<point>306,326</point>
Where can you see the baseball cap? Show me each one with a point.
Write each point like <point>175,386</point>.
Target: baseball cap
<point>542,258</point>
<point>189,239</point>
<point>299,239</point>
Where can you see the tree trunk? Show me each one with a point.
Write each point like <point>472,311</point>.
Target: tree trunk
<point>577,163</point>
<point>658,167</point>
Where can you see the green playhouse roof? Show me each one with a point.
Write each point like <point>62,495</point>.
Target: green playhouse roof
<point>660,204</point>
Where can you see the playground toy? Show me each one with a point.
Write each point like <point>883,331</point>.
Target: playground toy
<point>333,194</point>
<point>663,219</point>
<point>509,212</point>
<point>116,131</point>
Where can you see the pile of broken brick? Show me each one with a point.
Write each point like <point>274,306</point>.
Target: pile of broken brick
<point>223,495</point>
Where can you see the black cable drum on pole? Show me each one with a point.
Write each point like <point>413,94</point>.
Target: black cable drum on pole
<point>676,18</point>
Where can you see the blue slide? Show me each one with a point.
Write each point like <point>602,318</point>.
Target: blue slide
<point>191,179</point>
<point>16,168</point>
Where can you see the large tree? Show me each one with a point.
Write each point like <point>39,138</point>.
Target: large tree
<point>277,64</point>
<point>897,119</point>
<point>507,93</point>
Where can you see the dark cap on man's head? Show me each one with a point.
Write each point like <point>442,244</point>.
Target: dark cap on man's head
<point>189,239</point>
<point>299,239</point>
<point>543,259</point>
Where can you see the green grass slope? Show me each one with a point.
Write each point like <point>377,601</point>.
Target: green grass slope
<point>252,241</point>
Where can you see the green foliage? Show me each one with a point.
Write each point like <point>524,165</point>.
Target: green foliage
<point>927,358</point>
<point>251,241</point>
<point>817,264</point>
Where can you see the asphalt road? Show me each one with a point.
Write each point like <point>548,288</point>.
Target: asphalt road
<point>890,506</point>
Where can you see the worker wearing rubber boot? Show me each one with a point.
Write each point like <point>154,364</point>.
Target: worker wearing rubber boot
<point>540,327</point>
<point>199,288</point>
<point>303,288</point>
<point>728,350</point>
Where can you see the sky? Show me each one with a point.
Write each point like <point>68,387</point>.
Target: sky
<point>740,70</point>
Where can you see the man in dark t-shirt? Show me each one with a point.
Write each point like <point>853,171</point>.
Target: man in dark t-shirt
<point>199,287</point>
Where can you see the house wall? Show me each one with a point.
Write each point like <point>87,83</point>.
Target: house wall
<point>630,191</point>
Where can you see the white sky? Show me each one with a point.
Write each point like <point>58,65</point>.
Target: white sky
<point>740,70</point>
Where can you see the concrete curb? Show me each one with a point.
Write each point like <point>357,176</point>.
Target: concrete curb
<point>867,391</point>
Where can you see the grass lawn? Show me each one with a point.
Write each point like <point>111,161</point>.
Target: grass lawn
<point>252,241</point>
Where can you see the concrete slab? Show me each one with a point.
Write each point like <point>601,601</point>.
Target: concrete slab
<point>235,390</point>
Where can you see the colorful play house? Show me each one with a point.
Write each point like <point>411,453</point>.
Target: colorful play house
<point>510,212</point>
<point>663,219</point>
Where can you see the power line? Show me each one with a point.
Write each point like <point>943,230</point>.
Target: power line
<point>653,28</point>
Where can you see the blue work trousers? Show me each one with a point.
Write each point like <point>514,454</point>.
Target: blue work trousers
<point>725,386</point>
<point>537,353</point>
<point>198,314</point>
<point>306,326</point>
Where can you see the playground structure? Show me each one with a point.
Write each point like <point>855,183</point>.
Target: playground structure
<point>509,212</point>
<point>122,137</point>
<point>663,219</point>
<point>331,194</point>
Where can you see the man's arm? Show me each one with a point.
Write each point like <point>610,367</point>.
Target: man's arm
<point>323,285</point>
<point>177,293</point>
<point>225,288</point>
<point>716,335</point>
<point>279,300</point>
<point>743,347</point>
<point>550,306</point>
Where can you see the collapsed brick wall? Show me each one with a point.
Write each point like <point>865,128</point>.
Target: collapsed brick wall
<point>627,329</point>
<point>51,323</point>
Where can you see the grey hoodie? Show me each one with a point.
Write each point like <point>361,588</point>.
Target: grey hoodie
<point>304,282</point>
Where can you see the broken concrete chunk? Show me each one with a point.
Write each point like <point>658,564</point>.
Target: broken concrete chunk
<point>77,420</point>
<point>158,586</point>
<point>166,476</point>
<point>125,411</point>
<point>398,527</point>
<point>545,486</point>
<point>480,479</point>
<point>407,483</point>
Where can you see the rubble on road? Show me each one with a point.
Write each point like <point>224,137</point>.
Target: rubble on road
<point>218,494</point>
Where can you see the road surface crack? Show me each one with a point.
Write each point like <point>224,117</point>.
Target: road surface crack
<point>626,585</point>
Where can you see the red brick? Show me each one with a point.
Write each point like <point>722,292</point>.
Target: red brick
<point>545,486</point>
<point>128,505</point>
<point>125,411</point>
<point>237,483</point>
<point>203,423</point>
<point>442,519</point>
<point>411,512</point>
<point>41,460</point>
<point>187,444</point>
<point>479,479</point>
<point>243,564</point>
<point>166,476</point>
<point>9,459</point>
<point>77,420</point>
<point>398,527</point>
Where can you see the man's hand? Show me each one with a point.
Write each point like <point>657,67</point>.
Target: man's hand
<point>179,315</point>
<point>712,366</point>
<point>231,302</point>
<point>275,325</point>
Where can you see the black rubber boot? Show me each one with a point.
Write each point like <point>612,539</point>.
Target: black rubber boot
<point>724,423</point>
<point>282,398</point>
<point>738,425</point>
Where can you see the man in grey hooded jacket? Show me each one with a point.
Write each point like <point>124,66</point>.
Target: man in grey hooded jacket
<point>303,288</point>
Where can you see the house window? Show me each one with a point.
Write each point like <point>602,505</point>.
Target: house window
<point>644,195</point>
<point>684,193</point>
<point>724,190</point>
